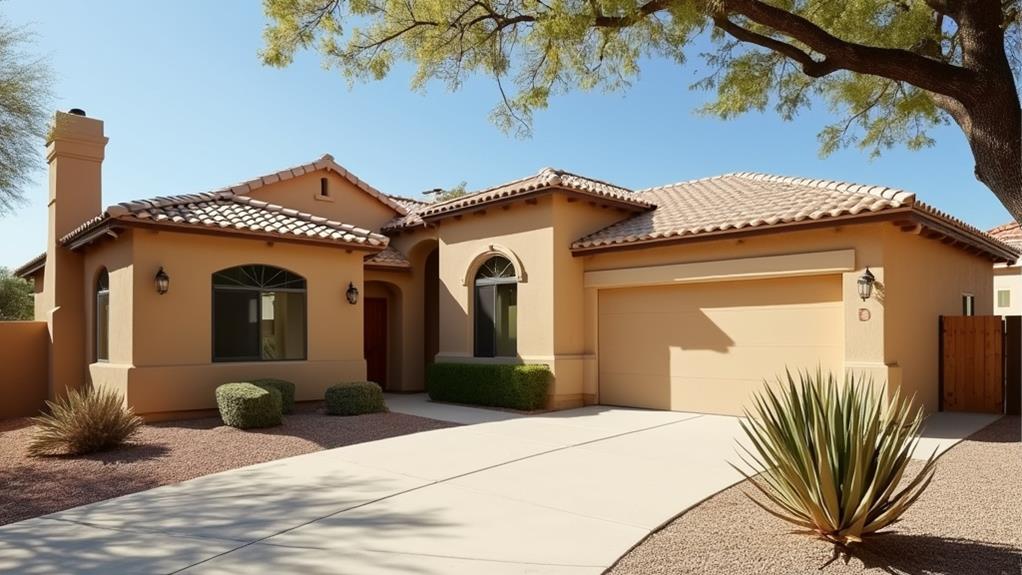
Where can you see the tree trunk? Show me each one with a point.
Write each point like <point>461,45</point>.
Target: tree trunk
<point>994,131</point>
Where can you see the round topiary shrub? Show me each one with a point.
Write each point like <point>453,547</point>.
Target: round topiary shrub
<point>286,389</point>
<point>245,406</point>
<point>354,398</point>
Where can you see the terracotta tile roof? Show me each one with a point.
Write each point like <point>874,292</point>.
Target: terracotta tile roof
<point>412,218</point>
<point>326,162</point>
<point>31,266</point>
<point>230,209</point>
<point>547,178</point>
<point>741,201</point>
<point>388,258</point>
<point>1009,233</point>
<point>227,211</point>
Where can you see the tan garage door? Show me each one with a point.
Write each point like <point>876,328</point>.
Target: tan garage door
<point>706,347</point>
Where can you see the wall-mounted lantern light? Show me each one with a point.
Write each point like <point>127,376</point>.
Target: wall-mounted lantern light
<point>865,283</point>
<point>162,281</point>
<point>352,294</point>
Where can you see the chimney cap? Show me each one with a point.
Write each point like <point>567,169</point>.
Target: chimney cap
<point>76,111</point>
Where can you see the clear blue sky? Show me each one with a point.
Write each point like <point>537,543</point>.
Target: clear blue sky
<point>188,107</point>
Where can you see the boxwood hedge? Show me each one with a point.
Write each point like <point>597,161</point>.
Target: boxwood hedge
<point>286,389</point>
<point>522,387</point>
<point>244,405</point>
<point>354,398</point>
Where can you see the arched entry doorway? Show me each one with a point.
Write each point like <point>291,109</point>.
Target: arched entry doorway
<point>382,333</point>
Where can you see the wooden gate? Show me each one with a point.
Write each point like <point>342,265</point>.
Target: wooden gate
<point>972,363</point>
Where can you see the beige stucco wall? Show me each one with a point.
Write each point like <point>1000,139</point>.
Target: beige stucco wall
<point>164,359</point>
<point>925,279</point>
<point>537,237</point>
<point>24,349</point>
<point>892,337</point>
<point>346,202</point>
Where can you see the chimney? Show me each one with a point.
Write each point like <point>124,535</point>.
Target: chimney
<point>74,152</point>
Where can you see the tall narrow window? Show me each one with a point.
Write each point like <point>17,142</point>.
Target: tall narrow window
<point>496,309</point>
<point>103,316</point>
<point>324,187</point>
<point>1003,298</point>
<point>968,304</point>
<point>258,314</point>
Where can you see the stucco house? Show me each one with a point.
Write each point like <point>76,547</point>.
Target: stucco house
<point>1008,276</point>
<point>682,297</point>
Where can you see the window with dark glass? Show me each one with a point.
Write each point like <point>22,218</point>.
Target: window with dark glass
<point>103,316</point>
<point>258,314</point>
<point>496,309</point>
<point>968,304</point>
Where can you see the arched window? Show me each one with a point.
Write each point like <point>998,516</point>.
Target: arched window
<point>258,314</point>
<point>103,316</point>
<point>496,309</point>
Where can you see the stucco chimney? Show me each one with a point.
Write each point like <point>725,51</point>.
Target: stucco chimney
<point>74,152</point>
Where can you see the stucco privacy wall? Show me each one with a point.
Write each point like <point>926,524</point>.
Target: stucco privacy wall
<point>170,339</point>
<point>863,340</point>
<point>24,348</point>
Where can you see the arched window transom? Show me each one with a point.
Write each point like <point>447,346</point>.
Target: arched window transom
<point>496,309</point>
<point>259,314</point>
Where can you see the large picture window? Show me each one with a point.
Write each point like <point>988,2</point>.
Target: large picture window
<point>496,309</point>
<point>258,314</point>
<point>103,316</point>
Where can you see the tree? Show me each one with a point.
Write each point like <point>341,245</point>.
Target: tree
<point>16,299</point>
<point>890,69</point>
<point>24,97</point>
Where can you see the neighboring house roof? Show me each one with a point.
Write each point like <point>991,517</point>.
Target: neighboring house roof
<point>389,258</point>
<point>745,201</point>
<point>546,179</point>
<point>224,211</point>
<point>32,266</point>
<point>1009,233</point>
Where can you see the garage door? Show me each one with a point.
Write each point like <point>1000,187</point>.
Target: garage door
<point>706,347</point>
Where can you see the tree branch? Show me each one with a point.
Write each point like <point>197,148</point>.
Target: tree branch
<point>890,63</point>
<point>810,67</point>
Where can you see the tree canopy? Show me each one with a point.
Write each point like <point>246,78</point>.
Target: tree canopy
<point>16,299</point>
<point>890,70</point>
<point>24,97</point>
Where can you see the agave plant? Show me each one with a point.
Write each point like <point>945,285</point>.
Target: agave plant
<point>83,421</point>
<point>833,457</point>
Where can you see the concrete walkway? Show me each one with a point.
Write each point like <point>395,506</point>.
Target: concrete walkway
<point>563,493</point>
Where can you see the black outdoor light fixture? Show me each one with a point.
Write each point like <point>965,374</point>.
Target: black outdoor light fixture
<point>352,293</point>
<point>866,282</point>
<point>162,281</point>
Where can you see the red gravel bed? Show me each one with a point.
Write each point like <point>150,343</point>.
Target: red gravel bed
<point>169,452</point>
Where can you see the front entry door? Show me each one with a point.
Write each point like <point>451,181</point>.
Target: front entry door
<point>375,340</point>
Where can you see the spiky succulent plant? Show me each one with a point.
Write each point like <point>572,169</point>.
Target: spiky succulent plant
<point>834,455</point>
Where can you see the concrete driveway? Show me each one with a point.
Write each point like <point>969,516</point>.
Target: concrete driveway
<point>563,493</point>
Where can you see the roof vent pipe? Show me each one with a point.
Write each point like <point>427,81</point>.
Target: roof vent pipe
<point>76,111</point>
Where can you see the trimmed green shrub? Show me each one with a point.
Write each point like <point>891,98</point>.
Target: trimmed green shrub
<point>354,398</point>
<point>286,389</point>
<point>244,405</point>
<point>522,387</point>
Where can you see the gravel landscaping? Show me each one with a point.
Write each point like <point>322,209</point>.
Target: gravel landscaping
<point>968,522</point>
<point>170,452</point>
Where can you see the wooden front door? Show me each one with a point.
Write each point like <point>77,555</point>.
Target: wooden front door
<point>972,364</point>
<point>375,340</point>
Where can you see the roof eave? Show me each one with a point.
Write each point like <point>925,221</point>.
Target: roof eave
<point>31,267</point>
<point>636,206</point>
<point>111,224</point>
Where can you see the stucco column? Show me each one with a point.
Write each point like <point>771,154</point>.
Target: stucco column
<point>74,153</point>
<point>864,329</point>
